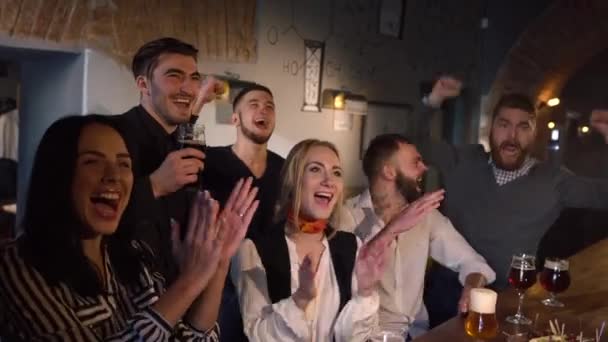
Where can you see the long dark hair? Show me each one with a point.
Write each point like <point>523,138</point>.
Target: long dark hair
<point>52,239</point>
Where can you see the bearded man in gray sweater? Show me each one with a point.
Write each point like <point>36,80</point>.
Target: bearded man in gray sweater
<point>501,201</point>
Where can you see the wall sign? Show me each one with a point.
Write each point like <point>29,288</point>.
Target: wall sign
<point>313,67</point>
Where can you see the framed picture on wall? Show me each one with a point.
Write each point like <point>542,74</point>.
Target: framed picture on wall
<point>391,17</point>
<point>313,72</point>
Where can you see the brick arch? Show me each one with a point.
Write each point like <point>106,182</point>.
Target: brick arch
<point>561,40</point>
<point>222,30</point>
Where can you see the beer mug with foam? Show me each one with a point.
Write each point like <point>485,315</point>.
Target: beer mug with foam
<point>481,322</point>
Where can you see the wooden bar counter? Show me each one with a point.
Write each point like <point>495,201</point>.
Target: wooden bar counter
<point>586,303</point>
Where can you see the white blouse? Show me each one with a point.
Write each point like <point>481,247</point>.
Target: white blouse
<point>284,320</point>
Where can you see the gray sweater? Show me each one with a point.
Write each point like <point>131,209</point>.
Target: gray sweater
<point>499,221</point>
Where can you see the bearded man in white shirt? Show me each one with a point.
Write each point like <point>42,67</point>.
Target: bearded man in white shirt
<point>394,169</point>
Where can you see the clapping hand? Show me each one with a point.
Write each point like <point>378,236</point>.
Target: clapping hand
<point>307,289</point>
<point>369,268</point>
<point>198,254</point>
<point>237,215</point>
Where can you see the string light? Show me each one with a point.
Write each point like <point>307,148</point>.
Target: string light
<point>553,102</point>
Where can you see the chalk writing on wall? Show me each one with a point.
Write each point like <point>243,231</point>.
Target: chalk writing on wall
<point>352,32</point>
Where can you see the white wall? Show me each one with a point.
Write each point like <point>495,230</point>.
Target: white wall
<point>51,88</point>
<point>109,86</point>
<point>354,46</point>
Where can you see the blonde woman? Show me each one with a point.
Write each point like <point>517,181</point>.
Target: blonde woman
<point>308,281</point>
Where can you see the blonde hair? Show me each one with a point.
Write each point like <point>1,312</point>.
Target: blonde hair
<point>290,192</point>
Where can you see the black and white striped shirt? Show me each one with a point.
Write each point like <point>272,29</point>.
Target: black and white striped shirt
<point>32,310</point>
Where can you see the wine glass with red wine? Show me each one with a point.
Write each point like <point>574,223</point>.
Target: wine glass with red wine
<point>555,278</point>
<point>521,277</point>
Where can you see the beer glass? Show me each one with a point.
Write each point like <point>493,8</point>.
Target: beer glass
<point>555,278</point>
<point>192,135</point>
<point>522,276</point>
<point>481,322</point>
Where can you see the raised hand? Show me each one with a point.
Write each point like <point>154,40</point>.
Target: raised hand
<point>236,216</point>
<point>307,289</point>
<point>198,254</point>
<point>445,87</point>
<point>369,268</point>
<point>178,169</point>
<point>415,212</point>
<point>211,88</point>
<point>599,122</point>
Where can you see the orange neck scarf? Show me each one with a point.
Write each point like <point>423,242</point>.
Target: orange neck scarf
<point>307,226</point>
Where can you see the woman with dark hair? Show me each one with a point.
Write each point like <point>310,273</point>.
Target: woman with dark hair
<point>72,277</point>
<point>308,281</point>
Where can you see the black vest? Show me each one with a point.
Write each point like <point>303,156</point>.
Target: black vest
<point>273,252</point>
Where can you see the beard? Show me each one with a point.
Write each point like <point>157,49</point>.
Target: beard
<point>500,162</point>
<point>408,187</point>
<point>251,135</point>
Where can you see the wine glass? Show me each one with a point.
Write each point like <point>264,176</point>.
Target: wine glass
<point>555,278</point>
<point>522,276</point>
<point>190,134</point>
<point>392,331</point>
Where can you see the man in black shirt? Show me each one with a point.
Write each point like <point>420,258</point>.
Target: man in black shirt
<point>167,77</point>
<point>254,117</point>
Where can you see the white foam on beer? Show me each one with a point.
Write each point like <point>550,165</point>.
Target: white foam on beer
<point>483,301</point>
<point>557,264</point>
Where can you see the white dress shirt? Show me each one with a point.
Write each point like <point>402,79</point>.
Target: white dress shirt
<point>402,285</point>
<point>284,320</point>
